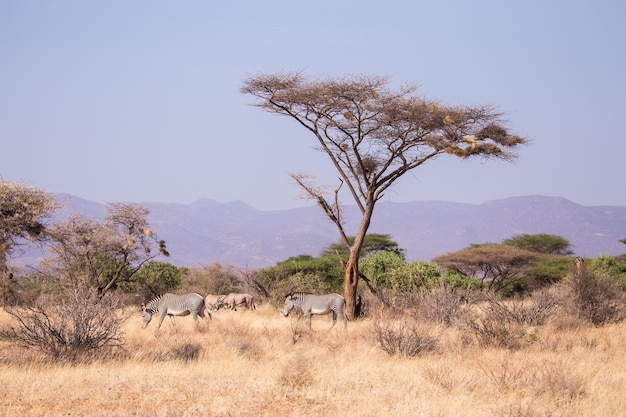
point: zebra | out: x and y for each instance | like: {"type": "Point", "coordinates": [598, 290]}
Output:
{"type": "Point", "coordinates": [173, 305]}
{"type": "Point", "coordinates": [316, 304]}
{"type": "Point", "coordinates": [214, 302]}
{"type": "Point", "coordinates": [233, 300]}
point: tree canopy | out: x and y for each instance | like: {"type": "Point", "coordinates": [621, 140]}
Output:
{"type": "Point", "coordinates": [373, 243]}
{"type": "Point", "coordinates": [542, 243]}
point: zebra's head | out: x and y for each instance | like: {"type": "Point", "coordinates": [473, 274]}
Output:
{"type": "Point", "coordinates": [146, 316]}
{"type": "Point", "coordinates": [289, 304]}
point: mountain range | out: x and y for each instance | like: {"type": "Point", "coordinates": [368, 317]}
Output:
{"type": "Point", "coordinates": [236, 233]}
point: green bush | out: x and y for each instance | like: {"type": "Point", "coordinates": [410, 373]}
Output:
{"type": "Point", "coordinates": [389, 270]}
{"type": "Point", "coordinates": [545, 272]}
{"type": "Point", "coordinates": [379, 266]}
{"type": "Point", "coordinates": [610, 267]}
{"type": "Point", "coordinates": [154, 278]}
{"type": "Point", "coordinates": [455, 279]}
{"type": "Point", "coordinates": [302, 273]}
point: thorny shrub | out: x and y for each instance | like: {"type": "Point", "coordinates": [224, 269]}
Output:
{"type": "Point", "coordinates": [403, 337]}
{"type": "Point", "coordinates": [443, 305]}
{"type": "Point", "coordinates": [491, 332]}
{"type": "Point", "coordinates": [69, 328]}
{"type": "Point", "coordinates": [595, 298]}
{"type": "Point", "coordinates": [529, 311]}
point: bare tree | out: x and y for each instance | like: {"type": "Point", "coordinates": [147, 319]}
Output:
{"type": "Point", "coordinates": [374, 135]}
{"type": "Point", "coordinates": [102, 254]}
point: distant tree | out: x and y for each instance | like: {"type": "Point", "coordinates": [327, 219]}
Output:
{"type": "Point", "coordinates": [372, 243]}
{"type": "Point", "coordinates": [23, 212]}
{"type": "Point", "coordinates": [374, 135]}
{"type": "Point", "coordinates": [215, 278]}
{"type": "Point", "coordinates": [496, 266]}
{"type": "Point", "coordinates": [542, 243]}
{"type": "Point", "coordinates": [103, 254]}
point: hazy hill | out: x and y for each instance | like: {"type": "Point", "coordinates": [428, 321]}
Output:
{"type": "Point", "coordinates": [236, 233]}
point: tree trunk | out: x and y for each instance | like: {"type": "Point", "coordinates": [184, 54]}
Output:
{"type": "Point", "coordinates": [351, 272]}
{"type": "Point", "coordinates": [350, 285]}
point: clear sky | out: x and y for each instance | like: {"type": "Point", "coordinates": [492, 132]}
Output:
{"type": "Point", "coordinates": [120, 101]}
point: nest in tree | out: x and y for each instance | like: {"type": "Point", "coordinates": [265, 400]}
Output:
{"type": "Point", "coordinates": [368, 166]}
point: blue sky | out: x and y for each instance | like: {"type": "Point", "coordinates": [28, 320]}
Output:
{"type": "Point", "coordinates": [138, 101]}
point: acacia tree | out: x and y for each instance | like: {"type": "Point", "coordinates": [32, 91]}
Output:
{"type": "Point", "coordinates": [373, 135]}
{"type": "Point", "coordinates": [372, 243]}
{"type": "Point", "coordinates": [494, 265]}
{"type": "Point", "coordinates": [542, 243]}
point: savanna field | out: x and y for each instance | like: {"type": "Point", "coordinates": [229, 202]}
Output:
{"type": "Point", "coordinates": [259, 363]}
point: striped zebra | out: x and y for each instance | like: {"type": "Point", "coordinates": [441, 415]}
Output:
{"type": "Point", "coordinates": [173, 305]}
{"type": "Point", "coordinates": [316, 304]}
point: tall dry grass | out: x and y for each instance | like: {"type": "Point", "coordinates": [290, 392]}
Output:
{"type": "Point", "coordinates": [259, 363]}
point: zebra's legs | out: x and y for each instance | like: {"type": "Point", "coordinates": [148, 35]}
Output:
{"type": "Point", "coordinates": [334, 320]}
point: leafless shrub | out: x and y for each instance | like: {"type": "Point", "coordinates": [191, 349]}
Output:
{"type": "Point", "coordinates": [559, 382]}
{"type": "Point", "coordinates": [490, 331]}
{"type": "Point", "coordinates": [596, 299]}
{"type": "Point", "coordinates": [72, 327]}
{"type": "Point", "coordinates": [444, 305]}
{"type": "Point", "coordinates": [504, 375]}
{"type": "Point", "coordinates": [529, 311]}
{"type": "Point", "coordinates": [445, 377]}
{"type": "Point", "coordinates": [404, 337]}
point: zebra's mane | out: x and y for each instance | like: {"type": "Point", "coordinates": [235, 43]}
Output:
{"type": "Point", "coordinates": [152, 303]}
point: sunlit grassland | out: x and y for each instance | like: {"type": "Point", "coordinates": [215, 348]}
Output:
{"type": "Point", "coordinates": [260, 363]}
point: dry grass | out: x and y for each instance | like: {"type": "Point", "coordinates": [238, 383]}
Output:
{"type": "Point", "coordinates": [260, 363]}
